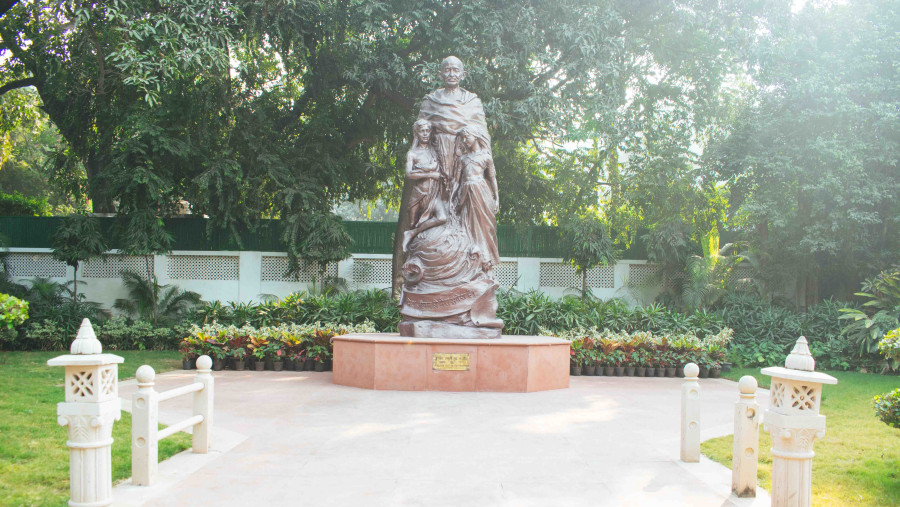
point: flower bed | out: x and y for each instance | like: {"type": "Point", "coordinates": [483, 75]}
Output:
{"type": "Point", "coordinates": [286, 346]}
{"type": "Point", "coordinates": [595, 352]}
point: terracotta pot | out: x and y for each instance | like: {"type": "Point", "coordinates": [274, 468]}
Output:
{"type": "Point", "coordinates": [650, 372]}
{"type": "Point", "coordinates": [590, 371]}
{"type": "Point", "coordinates": [609, 371]}
{"type": "Point", "coordinates": [575, 371]}
{"type": "Point", "coordinates": [640, 371]}
{"type": "Point", "coordinates": [620, 371]}
{"type": "Point", "coordinates": [277, 365]}
{"type": "Point", "coordinates": [239, 364]}
{"type": "Point", "coordinates": [259, 365]}
{"type": "Point", "coordinates": [670, 371]}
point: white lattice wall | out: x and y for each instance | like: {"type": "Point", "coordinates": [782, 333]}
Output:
{"type": "Point", "coordinates": [558, 274]}
{"type": "Point", "coordinates": [275, 267]}
{"type": "Point", "coordinates": [31, 265]}
{"type": "Point", "coordinates": [507, 274]}
{"type": "Point", "coordinates": [371, 272]}
{"type": "Point", "coordinates": [203, 267]}
{"type": "Point", "coordinates": [641, 275]}
{"type": "Point", "coordinates": [113, 265]}
{"type": "Point", "coordinates": [251, 276]}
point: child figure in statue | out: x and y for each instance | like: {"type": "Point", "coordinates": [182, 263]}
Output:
{"type": "Point", "coordinates": [474, 195]}
{"type": "Point", "coordinates": [426, 204]}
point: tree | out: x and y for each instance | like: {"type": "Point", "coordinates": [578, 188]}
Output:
{"type": "Point", "coordinates": [589, 246]}
{"type": "Point", "coordinates": [320, 240]}
{"type": "Point", "coordinates": [76, 240]}
{"type": "Point", "coordinates": [811, 157]}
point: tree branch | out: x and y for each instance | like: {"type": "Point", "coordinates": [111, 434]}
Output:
{"type": "Point", "coordinates": [18, 83]}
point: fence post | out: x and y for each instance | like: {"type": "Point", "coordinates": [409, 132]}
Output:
{"type": "Point", "coordinates": [794, 421]}
{"type": "Point", "coordinates": [144, 428]}
{"type": "Point", "coordinates": [203, 405]}
{"type": "Point", "coordinates": [745, 452]}
{"type": "Point", "coordinates": [690, 415]}
{"type": "Point", "coordinates": [92, 406]}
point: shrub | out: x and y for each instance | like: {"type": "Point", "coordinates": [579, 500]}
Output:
{"type": "Point", "coordinates": [13, 311]}
{"type": "Point", "coordinates": [887, 407]}
{"type": "Point", "coordinates": [16, 204]}
{"type": "Point", "coordinates": [878, 315]}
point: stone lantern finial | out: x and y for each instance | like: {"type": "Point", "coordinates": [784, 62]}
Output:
{"type": "Point", "coordinates": [86, 341]}
{"type": "Point", "coordinates": [800, 358]}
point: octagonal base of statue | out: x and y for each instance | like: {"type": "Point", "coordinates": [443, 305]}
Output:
{"type": "Point", "coordinates": [390, 362]}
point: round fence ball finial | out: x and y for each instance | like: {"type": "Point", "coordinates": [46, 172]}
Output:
{"type": "Point", "coordinates": [204, 363]}
{"type": "Point", "coordinates": [86, 341]}
{"type": "Point", "coordinates": [747, 384]}
{"type": "Point", "coordinates": [691, 370]}
{"type": "Point", "coordinates": [145, 374]}
{"type": "Point", "coordinates": [800, 358]}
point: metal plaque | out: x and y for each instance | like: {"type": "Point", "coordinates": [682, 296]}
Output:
{"type": "Point", "coordinates": [449, 361]}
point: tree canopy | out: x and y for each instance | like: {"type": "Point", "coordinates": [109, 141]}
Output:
{"type": "Point", "coordinates": [684, 118]}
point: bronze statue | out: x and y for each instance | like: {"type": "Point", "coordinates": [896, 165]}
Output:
{"type": "Point", "coordinates": [450, 245]}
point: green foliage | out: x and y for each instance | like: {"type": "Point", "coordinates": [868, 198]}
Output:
{"type": "Point", "coordinates": [16, 204]}
{"type": "Point", "coordinates": [889, 347]}
{"type": "Point", "coordinates": [588, 245]}
{"type": "Point", "coordinates": [76, 240]}
{"type": "Point", "coordinates": [13, 311]}
{"type": "Point", "coordinates": [158, 304]}
{"type": "Point", "coordinates": [317, 238]}
{"type": "Point", "coordinates": [887, 408]}
{"type": "Point", "coordinates": [878, 315]}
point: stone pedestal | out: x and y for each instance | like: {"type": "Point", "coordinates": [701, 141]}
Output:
{"type": "Point", "coordinates": [92, 406]}
{"type": "Point", "coordinates": [509, 364]}
{"type": "Point", "coordinates": [794, 421]}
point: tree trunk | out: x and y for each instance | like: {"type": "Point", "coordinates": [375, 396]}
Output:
{"type": "Point", "coordinates": [583, 284]}
{"type": "Point", "coordinates": [75, 284]}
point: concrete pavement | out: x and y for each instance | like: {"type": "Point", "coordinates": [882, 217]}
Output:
{"type": "Point", "coordinates": [294, 438]}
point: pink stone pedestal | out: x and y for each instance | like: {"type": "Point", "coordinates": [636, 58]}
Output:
{"type": "Point", "coordinates": [509, 364]}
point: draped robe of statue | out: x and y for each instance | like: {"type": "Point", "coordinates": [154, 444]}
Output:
{"type": "Point", "coordinates": [449, 290]}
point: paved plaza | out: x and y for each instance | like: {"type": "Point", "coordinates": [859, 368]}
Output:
{"type": "Point", "coordinates": [294, 438]}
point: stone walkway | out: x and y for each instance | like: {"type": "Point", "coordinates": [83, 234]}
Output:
{"type": "Point", "coordinates": [290, 438]}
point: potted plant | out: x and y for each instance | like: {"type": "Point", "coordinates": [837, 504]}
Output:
{"type": "Point", "coordinates": [618, 359]}
{"type": "Point", "coordinates": [257, 346]}
{"type": "Point", "coordinates": [628, 348]}
{"type": "Point", "coordinates": [671, 361]}
{"type": "Point", "coordinates": [650, 361]}
{"type": "Point", "coordinates": [189, 349]}
{"type": "Point", "coordinates": [239, 358]}
{"type": "Point", "coordinates": [576, 360]}
{"type": "Point", "coordinates": [607, 346]}
{"type": "Point", "coordinates": [274, 354]}
{"type": "Point", "coordinates": [587, 349]}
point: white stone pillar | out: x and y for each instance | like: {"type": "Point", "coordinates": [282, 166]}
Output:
{"type": "Point", "coordinates": [690, 415]}
{"type": "Point", "coordinates": [794, 421]}
{"type": "Point", "coordinates": [529, 272]}
{"type": "Point", "coordinates": [745, 452]}
{"type": "Point", "coordinates": [91, 407]}
{"type": "Point", "coordinates": [144, 428]}
{"type": "Point", "coordinates": [203, 405]}
{"type": "Point", "coordinates": [249, 276]}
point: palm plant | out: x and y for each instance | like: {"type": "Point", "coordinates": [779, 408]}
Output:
{"type": "Point", "coordinates": [150, 301]}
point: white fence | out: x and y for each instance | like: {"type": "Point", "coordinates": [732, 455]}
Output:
{"type": "Point", "coordinates": [249, 276]}
{"type": "Point", "coordinates": [145, 435]}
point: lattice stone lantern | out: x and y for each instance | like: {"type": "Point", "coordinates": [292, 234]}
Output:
{"type": "Point", "coordinates": [794, 422]}
{"type": "Point", "coordinates": [92, 406]}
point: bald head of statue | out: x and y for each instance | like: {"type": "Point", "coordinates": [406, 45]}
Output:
{"type": "Point", "coordinates": [452, 72]}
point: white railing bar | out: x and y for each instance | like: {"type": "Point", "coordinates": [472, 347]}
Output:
{"type": "Point", "coordinates": [171, 430]}
{"type": "Point", "coordinates": [178, 391]}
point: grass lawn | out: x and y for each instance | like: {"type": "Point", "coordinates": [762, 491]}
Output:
{"type": "Point", "coordinates": [34, 459]}
{"type": "Point", "coordinates": [858, 460]}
